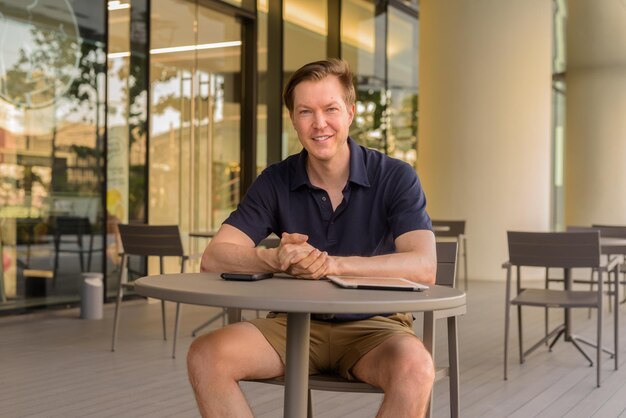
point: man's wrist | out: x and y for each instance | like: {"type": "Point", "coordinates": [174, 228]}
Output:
{"type": "Point", "coordinates": [335, 267]}
{"type": "Point", "coordinates": [269, 256]}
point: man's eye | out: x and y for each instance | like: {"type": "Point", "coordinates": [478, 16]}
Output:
{"type": "Point", "coordinates": [305, 112]}
{"type": "Point", "coordinates": [333, 109]}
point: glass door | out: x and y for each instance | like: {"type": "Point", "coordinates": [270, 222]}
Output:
{"type": "Point", "coordinates": [215, 169]}
{"type": "Point", "coordinates": [195, 115]}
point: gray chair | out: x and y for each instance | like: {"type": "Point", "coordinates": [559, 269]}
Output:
{"type": "Point", "coordinates": [446, 276]}
{"type": "Point", "coordinates": [613, 243]}
{"type": "Point", "coordinates": [456, 230]}
{"type": "Point", "coordinates": [567, 251]}
{"type": "Point", "coordinates": [148, 240]}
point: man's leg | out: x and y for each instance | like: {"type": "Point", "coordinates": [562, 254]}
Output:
{"type": "Point", "coordinates": [403, 368]}
{"type": "Point", "coordinates": [216, 362]}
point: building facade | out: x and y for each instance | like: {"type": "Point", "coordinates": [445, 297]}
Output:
{"type": "Point", "coordinates": [164, 112]}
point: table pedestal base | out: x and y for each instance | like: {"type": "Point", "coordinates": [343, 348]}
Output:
{"type": "Point", "coordinates": [297, 367]}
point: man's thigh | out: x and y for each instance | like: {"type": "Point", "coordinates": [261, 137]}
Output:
{"type": "Point", "coordinates": [243, 350]}
{"type": "Point", "coordinates": [389, 359]}
{"type": "Point", "coordinates": [354, 341]}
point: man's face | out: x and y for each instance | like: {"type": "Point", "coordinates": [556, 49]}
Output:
{"type": "Point", "coordinates": [321, 118]}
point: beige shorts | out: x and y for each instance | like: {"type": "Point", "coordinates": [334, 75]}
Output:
{"type": "Point", "coordinates": [336, 346]}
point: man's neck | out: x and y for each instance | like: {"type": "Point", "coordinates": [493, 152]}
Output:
{"type": "Point", "coordinates": [329, 175]}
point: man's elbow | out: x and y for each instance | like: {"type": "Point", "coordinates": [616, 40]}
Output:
{"type": "Point", "coordinates": [428, 273]}
{"type": "Point", "coordinates": [208, 262]}
{"type": "Point", "coordinates": [432, 274]}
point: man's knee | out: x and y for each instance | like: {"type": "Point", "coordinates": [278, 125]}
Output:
{"type": "Point", "coordinates": [208, 353]}
{"type": "Point", "coordinates": [410, 362]}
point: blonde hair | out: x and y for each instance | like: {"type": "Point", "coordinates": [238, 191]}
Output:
{"type": "Point", "coordinates": [317, 71]}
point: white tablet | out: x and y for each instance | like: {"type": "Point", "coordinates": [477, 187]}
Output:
{"type": "Point", "coordinates": [377, 283]}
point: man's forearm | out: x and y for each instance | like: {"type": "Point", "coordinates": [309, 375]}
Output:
{"type": "Point", "coordinates": [225, 256]}
{"type": "Point", "coordinates": [410, 265]}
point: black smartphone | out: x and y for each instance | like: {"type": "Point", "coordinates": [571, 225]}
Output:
{"type": "Point", "coordinates": [246, 277]}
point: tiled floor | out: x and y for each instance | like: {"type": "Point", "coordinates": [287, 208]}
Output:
{"type": "Point", "coordinates": [53, 364]}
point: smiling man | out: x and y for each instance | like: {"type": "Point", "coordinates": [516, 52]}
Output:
{"type": "Point", "coordinates": [339, 209]}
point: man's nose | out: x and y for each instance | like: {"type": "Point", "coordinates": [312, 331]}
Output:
{"type": "Point", "coordinates": [319, 120]}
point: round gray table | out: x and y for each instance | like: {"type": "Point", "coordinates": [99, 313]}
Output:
{"type": "Point", "coordinates": [298, 298]}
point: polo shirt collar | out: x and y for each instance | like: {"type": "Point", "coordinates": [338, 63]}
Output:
{"type": "Point", "coordinates": [358, 171]}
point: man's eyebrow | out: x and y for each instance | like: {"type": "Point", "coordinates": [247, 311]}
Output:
{"type": "Point", "coordinates": [333, 102]}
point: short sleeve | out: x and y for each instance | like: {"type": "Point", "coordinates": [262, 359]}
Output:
{"type": "Point", "coordinates": [406, 202]}
{"type": "Point", "coordinates": [256, 214]}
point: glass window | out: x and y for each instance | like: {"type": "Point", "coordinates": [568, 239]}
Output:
{"type": "Point", "coordinates": [52, 119]}
{"type": "Point", "coordinates": [262, 11]}
{"type": "Point", "coordinates": [559, 92]}
{"type": "Point", "coordinates": [305, 23]}
{"type": "Point", "coordinates": [402, 85]}
{"type": "Point", "coordinates": [364, 52]}
{"type": "Point", "coordinates": [195, 115]}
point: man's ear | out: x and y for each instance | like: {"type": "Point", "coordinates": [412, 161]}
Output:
{"type": "Point", "coordinates": [351, 111]}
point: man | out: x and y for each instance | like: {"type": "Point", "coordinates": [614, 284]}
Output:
{"type": "Point", "coordinates": [339, 209]}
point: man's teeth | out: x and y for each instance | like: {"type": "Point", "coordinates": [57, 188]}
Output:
{"type": "Point", "coordinates": [321, 138]}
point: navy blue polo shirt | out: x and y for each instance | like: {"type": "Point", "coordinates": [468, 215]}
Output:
{"type": "Point", "coordinates": [382, 200]}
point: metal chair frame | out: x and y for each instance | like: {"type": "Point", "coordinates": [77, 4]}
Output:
{"type": "Point", "coordinates": [565, 250]}
{"type": "Point", "coordinates": [148, 240]}
{"type": "Point", "coordinates": [454, 229]}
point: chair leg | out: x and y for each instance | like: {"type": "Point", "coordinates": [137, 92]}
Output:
{"type": "Point", "coordinates": [599, 342]}
{"type": "Point", "coordinates": [429, 344]}
{"type": "Point", "coordinates": [176, 323]}
{"type": "Point", "coordinates": [519, 334]}
{"type": "Point", "coordinates": [453, 358]}
{"type": "Point", "coordinates": [546, 316]}
{"type": "Point", "coordinates": [116, 319]}
{"type": "Point", "coordinates": [79, 240]}
{"type": "Point", "coordinates": [616, 319]}
{"type": "Point", "coordinates": [507, 316]}
{"type": "Point", "coordinates": [465, 262]}
{"type": "Point", "coordinates": [55, 268]}
{"type": "Point", "coordinates": [118, 301]}
{"type": "Point", "coordinates": [89, 253]}
{"type": "Point", "coordinates": [309, 409]}
{"type": "Point", "coordinates": [163, 319]}
{"type": "Point", "coordinates": [591, 290]}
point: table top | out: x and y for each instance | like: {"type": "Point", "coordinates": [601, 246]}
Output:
{"type": "Point", "coordinates": [293, 295]}
{"type": "Point", "coordinates": [203, 234]}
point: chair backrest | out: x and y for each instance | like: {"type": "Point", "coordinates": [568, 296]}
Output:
{"type": "Point", "coordinates": [156, 240]}
{"type": "Point", "coordinates": [611, 231]}
{"type": "Point", "coordinates": [554, 249]}
{"type": "Point", "coordinates": [72, 225]}
{"type": "Point", "coordinates": [446, 263]}
{"type": "Point", "coordinates": [448, 228]}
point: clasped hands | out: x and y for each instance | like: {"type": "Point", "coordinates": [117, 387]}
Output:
{"type": "Point", "coordinates": [299, 258]}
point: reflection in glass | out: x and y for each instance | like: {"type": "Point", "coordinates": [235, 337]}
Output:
{"type": "Point", "coordinates": [402, 84]}
{"type": "Point", "coordinates": [559, 92]}
{"type": "Point", "coordinates": [359, 47]}
{"type": "Point", "coordinates": [118, 141]}
{"type": "Point", "coordinates": [261, 149]}
{"type": "Point", "coordinates": [305, 23]}
{"type": "Point", "coordinates": [52, 73]}
{"type": "Point", "coordinates": [195, 115]}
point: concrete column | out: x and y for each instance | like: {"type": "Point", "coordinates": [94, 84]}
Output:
{"type": "Point", "coordinates": [595, 134]}
{"type": "Point", "coordinates": [484, 150]}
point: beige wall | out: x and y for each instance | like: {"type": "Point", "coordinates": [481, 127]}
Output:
{"type": "Point", "coordinates": [485, 111]}
{"type": "Point", "coordinates": [596, 113]}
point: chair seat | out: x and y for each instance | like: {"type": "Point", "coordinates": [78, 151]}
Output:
{"type": "Point", "coordinates": [556, 298]}
{"type": "Point", "coordinates": [335, 383]}
{"type": "Point", "coordinates": [328, 382]}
